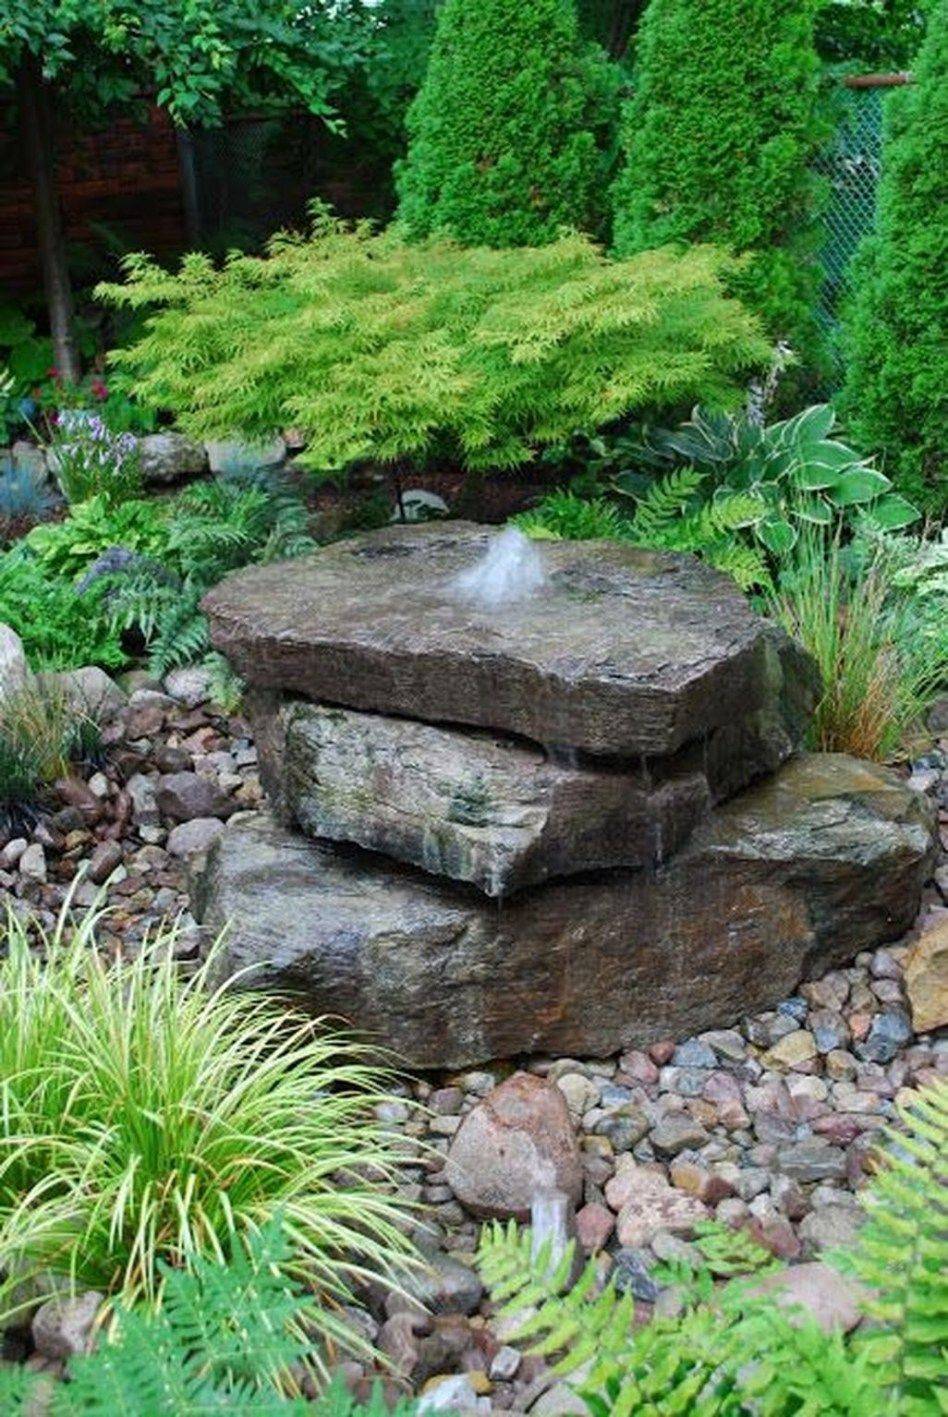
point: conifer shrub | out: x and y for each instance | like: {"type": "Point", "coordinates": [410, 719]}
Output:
{"type": "Point", "coordinates": [511, 133]}
{"type": "Point", "coordinates": [377, 348]}
{"type": "Point", "coordinates": [896, 393]}
{"type": "Point", "coordinates": [718, 141]}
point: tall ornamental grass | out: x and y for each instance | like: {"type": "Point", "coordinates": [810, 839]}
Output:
{"type": "Point", "coordinates": [148, 1119]}
{"type": "Point", "coordinates": [880, 666]}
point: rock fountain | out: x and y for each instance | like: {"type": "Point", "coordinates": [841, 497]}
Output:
{"type": "Point", "coordinates": [539, 797]}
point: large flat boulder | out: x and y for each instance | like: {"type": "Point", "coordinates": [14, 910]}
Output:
{"type": "Point", "coordinates": [791, 878]}
{"type": "Point", "coordinates": [621, 650]}
{"type": "Point", "coordinates": [497, 811]}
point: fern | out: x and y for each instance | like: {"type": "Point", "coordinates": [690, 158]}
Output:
{"type": "Point", "coordinates": [665, 502]}
{"type": "Point", "coordinates": [671, 516]}
{"type": "Point", "coordinates": [735, 1352]}
{"type": "Point", "coordinates": [227, 1338]}
{"type": "Point", "coordinates": [902, 1255]}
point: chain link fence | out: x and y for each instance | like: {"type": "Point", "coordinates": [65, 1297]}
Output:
{"type": "Point", "coordinates": [851, 170]}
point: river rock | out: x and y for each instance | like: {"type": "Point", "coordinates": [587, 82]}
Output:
{"type": "Point", "coordinates": [14, 670]}
{"type": "Point", "coordinates": [926, 978]}
{"type": "Point", "coordinates": [516, 1143]}
{"type": "Point", "coordinates": [169, 457]}
{"type": "Point", "coordinates": [622, 650]}
{"type": "Point", "coordinates": [790, 879]}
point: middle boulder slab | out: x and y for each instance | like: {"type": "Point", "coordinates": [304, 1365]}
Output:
{"type": "Point", "coordinates": [497, 812]}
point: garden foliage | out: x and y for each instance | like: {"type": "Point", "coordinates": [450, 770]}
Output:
{"type": "Point", "coordinates": [148, 1120]}
{"type": "Point", "coordinates": [225, 1339]}
{"type": "Point", "coordinates": [719, 140]}
{"type": "Point", "coordinates": [730, 488]}
{"type": "Point", "coordinates": [732, 1352]}
{"type": "Point", "coordinates": [896, 392]}
{"type": "Point", "coordinates": [76, 590]}
{"type": "Point", "coordinates": [511, 134]}
{"type": "Point", "coordinates": [881, 644]}
{"type": "Point", "coordinates": [379, 349]}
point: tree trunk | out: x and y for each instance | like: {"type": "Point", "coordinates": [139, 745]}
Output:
{"type": "Point", "coordinates": [37, 133]}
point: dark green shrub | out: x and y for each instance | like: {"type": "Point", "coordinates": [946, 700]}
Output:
{"type": "Point", "coordinates": [719, 137]}
{"type": "Point", "coordinates": [896, 393]}
{"type": "Point", "coordinates": [510, 134]}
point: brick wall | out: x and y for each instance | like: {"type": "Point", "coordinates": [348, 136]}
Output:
{"type": "Point", "coordinates": [126, 177]}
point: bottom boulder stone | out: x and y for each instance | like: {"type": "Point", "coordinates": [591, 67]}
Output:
{"type": "Point", "coordinates": [789, 879]}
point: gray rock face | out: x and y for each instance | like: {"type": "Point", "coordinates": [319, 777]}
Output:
{"type": "Point", "coordinates": [14, 670]}
{"type": "Point", "coordinates": [623, 651]}
{"type": "Point", "coordinates": [168, 457]}
{"type": "Point", "coordinates": [793, 877]}
{"type": "Point", "coordinates": [498, 812]}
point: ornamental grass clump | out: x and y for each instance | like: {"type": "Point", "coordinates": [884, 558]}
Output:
{"type": "Point", "coordinates": [151, 1120]}
{"type": "Point", "coordinates": [880, 665]}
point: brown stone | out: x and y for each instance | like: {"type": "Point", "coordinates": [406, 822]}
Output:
{"type": "Point", "coordinates": [499, 812]}
{"type": "Point", "coordinates": [517, 1143]}
{"type": "Point", "coordinates": [817, 1291]}
{"type": "Point", "coordinates": [791, 878]}
{"type": "Point", "coordinates": [650, 1204]}
{"type": "Point", "coordinates": [622, 651]}
{"type": "Point", "coordinates": [926, 978]}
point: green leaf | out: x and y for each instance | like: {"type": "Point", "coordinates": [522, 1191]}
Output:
{"type": "Point", "coordinates": [813, 424]}
{"type": "Point", "coordinates": [830, 454]}
{"type": "Point", "coordinates": [814, 511]}
{"type": "Point", "coordinates": [778, 535]}
{"type": "Point", "coordinates": [894, 511]}
{"type": "Point", "coordinates": [860, 484]}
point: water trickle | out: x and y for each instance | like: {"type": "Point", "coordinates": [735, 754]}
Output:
{"type": "Point", "coordinates": [658, 846]}
{"type": "Point", "coordinates": [645, 769]}
{"type": "Point", "coordinates": [510, 569]}
{"type": "Point", "coordinates": [561, 755]}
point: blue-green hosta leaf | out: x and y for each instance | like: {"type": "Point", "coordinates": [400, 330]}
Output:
{"type": "Point", "coordinates": [894, 511]}
{"type": "Point", "coordinates": [813, 511]}
{"type": "Point", "coordinates": [816, 476]}
{"type": "Point", "coordinates": [778, 535]}
{"type": "Point", "coordinates": [812, 425]}
{"type": "Point", "coordinates": [859, 484]}
{"type": "Point", "coordinates": [829, 453]}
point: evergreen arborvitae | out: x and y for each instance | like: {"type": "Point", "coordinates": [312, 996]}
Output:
{"type": "Point", "coordinates": [718, 140]}
{"type": "Point", "coordinates": [896, 394]}
{"type": "Point", "coordinates": [509, 134]}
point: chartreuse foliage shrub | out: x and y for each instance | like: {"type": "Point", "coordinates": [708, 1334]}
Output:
{"type": "Point", "coordinates": [896, 392]}
{"type": "Point", "coordinates": [379, 349]}
{"type": "Point", "coordinates": [510, 135]}
{"type": "Point", "coordinates": [226, 1338]}
{"type": "Point", "coordinates": [150, 1122]}
{"type": "Point", "coordinates": [732, 1352]}
{"type": "Point", "coordinates": [719, 138]}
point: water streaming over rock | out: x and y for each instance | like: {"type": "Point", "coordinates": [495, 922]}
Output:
{"type": "Point", "coordinates": [510, 569]}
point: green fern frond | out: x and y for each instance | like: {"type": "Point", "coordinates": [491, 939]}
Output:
{"type": "Point", "coordinates": [665, 503]}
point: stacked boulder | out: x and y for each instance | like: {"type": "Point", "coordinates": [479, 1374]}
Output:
{"type": "Point", "coordinates": [573, 821]}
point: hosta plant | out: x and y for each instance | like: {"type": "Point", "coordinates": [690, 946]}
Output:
{"type": "Point", "coordinates": [799, 471]}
